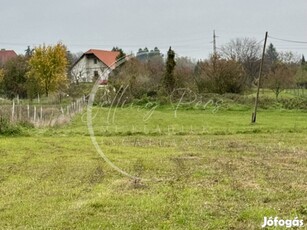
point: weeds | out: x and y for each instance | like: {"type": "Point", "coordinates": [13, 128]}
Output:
{"type": "Point", "coordinates": [9, 129]}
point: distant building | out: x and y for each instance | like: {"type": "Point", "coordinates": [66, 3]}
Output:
{"type": "Point", "coordinates": [91, 65]}
{"type": "Point", "coordinates": [6, 55]}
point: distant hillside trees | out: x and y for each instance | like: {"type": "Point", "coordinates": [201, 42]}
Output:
{"type": "Point", "coordinates": [142, 54]}
{"type": "Point", "coordinates": [146, 55]}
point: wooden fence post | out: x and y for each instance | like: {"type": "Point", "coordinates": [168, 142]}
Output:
{"type": "Point", "coordinates": [41, 114]}
{"type": "Point", "coordinates": [34, 114]}
{"type": "Point", "coordinates": [13, 111]}
{"type": "Point", "coordinates": [28, 111]}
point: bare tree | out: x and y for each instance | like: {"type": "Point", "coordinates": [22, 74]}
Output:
{"type": "Point", "coordinates": [134, 76]}
{"type": "Point", "coordinates": [220, 76]}
{"type": "Point", "coordinates": [77, 73]}
{"type": "Point", "coordinates": [247, 52]}
{"type": "Point", "coordinates": [184, 71]}
{"type": "Point", "coordinates": [288, 57]}
{"type": "Point", "coordinates": [280, 77]}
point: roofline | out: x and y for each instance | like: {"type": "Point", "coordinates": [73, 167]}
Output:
{"type": "Point", "coordinates": [94, 55]}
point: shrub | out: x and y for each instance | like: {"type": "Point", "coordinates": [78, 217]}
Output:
{"type": "Point", "coordinates": [294, 103]}
{"type": "Point", "coordinates": [220, 76]}
{"type": "Point", "coordinates": [7, 128]}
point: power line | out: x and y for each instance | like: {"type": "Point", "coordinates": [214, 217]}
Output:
{"type": "Point", "coordinates": [287, 40]}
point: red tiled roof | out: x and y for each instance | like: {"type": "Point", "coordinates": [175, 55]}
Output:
{"type": "Point", "coordinates": [107, 57]}
{"type": "Point", "coordinates": [6, 55]}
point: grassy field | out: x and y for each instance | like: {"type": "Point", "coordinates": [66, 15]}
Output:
{"type": "Point", "coordinates": [201, 168]}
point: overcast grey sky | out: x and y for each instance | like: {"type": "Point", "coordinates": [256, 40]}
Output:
{"type": "Point", "coordinates": [130, 24]}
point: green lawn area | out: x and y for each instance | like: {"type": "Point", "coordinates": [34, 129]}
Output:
{"type": "Point", "coordinates": [201, 169]}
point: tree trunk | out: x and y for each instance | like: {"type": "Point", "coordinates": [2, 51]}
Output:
{"type": "Point", "coordinates": [46, 89]}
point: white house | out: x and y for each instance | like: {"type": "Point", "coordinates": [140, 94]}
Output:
{"type": "Point", "coordinates": [92, 64]}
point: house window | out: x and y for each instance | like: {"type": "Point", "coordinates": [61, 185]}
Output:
{"type": "Point", "coordinates": [95, 60]}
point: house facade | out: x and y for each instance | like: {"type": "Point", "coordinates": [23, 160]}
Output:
{"type": "Point", "coordinates": [92, 65]}
{"type": "Point", "coordinates": [6, 55]}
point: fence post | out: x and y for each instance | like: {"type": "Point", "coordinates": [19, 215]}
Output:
{"type": "Point", "coordinates": [13, 111]}
{"type": "Point", "coordinates": [28, 111]}
{"type": "Point", "coordinates": [34, 114]}
{"type": "Point", "coordinates": [20, 112]}
{"type": "Point", "coordinates": [41, 115]}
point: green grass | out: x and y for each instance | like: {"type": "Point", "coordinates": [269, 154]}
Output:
{"type": "Point", "coordinates": [203, 169]}
{"type": "Point", "coordinates": [285, 94]}
{"type": "Point", "coordinates": [163, 120]}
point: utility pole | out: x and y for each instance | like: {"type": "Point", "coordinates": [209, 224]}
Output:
{"type": "Point", "coordinates": [254, 115]}
{"type": "Point", "coordinates": [214, 43]}
{"type": "Point", "coordinates": [214, 56]}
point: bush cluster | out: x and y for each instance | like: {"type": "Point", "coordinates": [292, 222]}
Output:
{"type": "Point", "coordinates": [8, 128]}
{"type": "Point", "coordinates": [294, 103]}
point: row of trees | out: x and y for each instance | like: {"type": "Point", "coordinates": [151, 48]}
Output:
{"type": "Point", "coordinates": [283, 71]}
{"type": "Point", "coordinates": [39, 71]}
{"type": "Point", "coordinates": [233, 69]}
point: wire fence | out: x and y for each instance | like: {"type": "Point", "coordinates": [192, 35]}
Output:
{"type": "Point", "coordinates": [41, 115]}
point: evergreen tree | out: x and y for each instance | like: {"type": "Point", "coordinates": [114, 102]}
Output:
{"type": "Point", "coordinates": [142, 54]}
{"type": "Point", "coordinates": [302, 73]}
{"type": "Point", "coordinates": [29, 52]}
{"type": "Point", "coordinates": [303, 62]}
{"type": "Point", "coordinates": [121, 53]}
{"type": "Point", "coordinates": [169, 79]}
{"type": "Point", "coordinates": [154, 52]}
{"type": "Point", "coordinates": [271, 55]}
